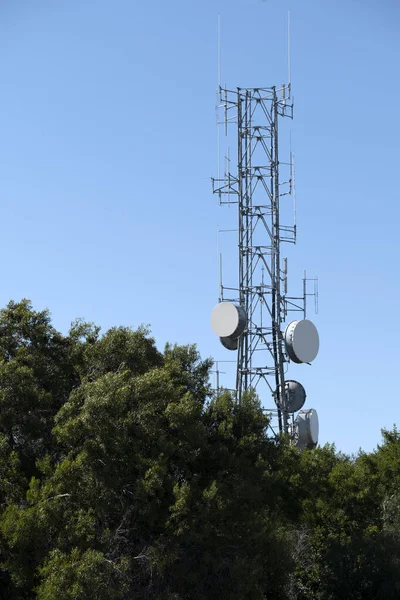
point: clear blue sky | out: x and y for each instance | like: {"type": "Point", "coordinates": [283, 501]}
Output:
{"type": "Point", "coordinates": [108, 143]}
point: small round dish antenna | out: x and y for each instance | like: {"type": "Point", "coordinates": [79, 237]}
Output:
{"type": "Point", "coordinates": [295, 396]}
{"type": "Point", "coordinates": [229, 343]}
{"type": "Point", "coordinates": [301, 341]}
{"type": "Point", "coordinates": [228, 320]}
{"type": "Point", "coordinates": [306, 429]}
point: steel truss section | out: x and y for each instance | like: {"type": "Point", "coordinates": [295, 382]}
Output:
{"type": "Point", "coordinates": [257, 191]}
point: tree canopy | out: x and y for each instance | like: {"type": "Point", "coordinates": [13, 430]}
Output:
{"type": "Point", "coordinates": [123, 476]}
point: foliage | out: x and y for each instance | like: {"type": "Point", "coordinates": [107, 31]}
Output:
{"type": "Point", "coordinates": [122, 476]}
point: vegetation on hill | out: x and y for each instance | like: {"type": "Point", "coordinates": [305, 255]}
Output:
{"type": "Point", "coordinates": [122, 477]}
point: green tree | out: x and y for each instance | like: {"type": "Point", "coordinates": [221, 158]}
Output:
{"type": "Point", "coordinates": [347, 542]}
{"type": "Point", "coordinates": [141, 476]}
{"type": "Point", "coordinates": [122, 476]}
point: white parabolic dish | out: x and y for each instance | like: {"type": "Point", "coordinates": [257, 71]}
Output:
{"type": "Point", "coordinates": [302, 341]}
{"type": "Point", "coordinates": [228, 320]}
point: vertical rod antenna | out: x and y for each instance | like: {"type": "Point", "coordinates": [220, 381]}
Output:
{"type": "Point", "coordinates": [226, 111]}
{"type": "Point", "coordinates": [221, 291]}
{"type": "Point", "coordinates": [289, 66]}
{"type": "Point", "coordinates": [217, 109]}
{"type": "Point", "coordinates": [219, 156]}
{"type": "Point", "coordinates": [229, 176]}
{"type": "Point", "coordinates": [285, 272]}
{"type": "Point", "coordinates": [219, 266]}
{"type": "Point", "coordinates": [290, 164]}
{"type": "Point", "coordinates": [219, 53]}
{"type": "Point", "coordinates": [294, 197]}
{"type": "Point", "coordinates": [218, 94]}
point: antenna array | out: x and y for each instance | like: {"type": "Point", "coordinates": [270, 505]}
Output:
{"type": "Point", "coordinates": [252, 310]}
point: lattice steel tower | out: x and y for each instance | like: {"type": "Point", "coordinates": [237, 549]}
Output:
{"type": "Point", "coordinates": [250, 315]}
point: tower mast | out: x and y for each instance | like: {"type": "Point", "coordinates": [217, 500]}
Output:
{"type": "Point", "coordinates": [252, 310]}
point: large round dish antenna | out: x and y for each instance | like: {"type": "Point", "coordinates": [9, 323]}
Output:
{"type": "Point", "coordinates": [228, 320]}
{"type": "Point", "coordinates": [306, 429]}
{"type": "Point", "coordinates": [295, 396]}
{"type": "Point", "coordinates": [230, 343]}
{"type": "Point", "coordinates": [301, 341]}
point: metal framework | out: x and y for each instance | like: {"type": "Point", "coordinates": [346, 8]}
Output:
{"type": "Point", "coordinates": [256, 188]}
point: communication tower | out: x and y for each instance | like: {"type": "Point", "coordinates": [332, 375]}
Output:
{"type": "Point", "coordinates": [252, 311]}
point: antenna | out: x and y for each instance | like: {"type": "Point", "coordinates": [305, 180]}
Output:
{"type": "Point", "coordinates": [316, 299]}
{"type": "Point", "coordinates": [218, 150]}
{"type": "Point", "coordinates": [219, 53]}
{"type": "Point", "coordinates": [285, 276]}
{"type": "Point", "coordinates": [289, 66]}
{"type": "Point", "coordinates": [251, 320]}
{"type": "Point", "coordinates": [218, 372]}
{"type": "Point", "coordinates": [218, 92]}
{"type": "Point", "coordinates": [294, 198]}
{"type": "Point", "coordinates": [221, 289]}
{"type": "Point", "coordinates": [219, 267]}
{"type": "Point", "coordinates": [314, 293]}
